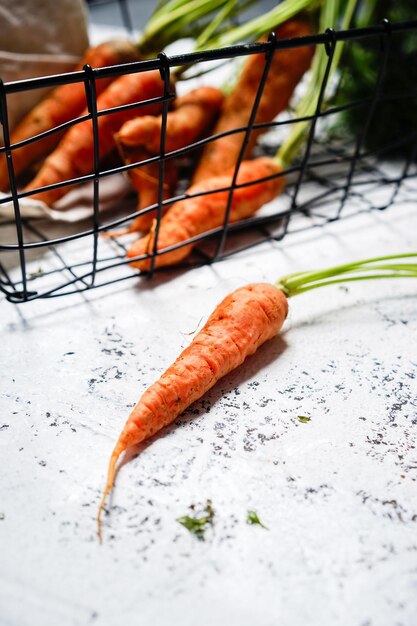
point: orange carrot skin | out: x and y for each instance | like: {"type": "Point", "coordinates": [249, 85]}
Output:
{"type": "Point", "coordinates": [287, 68]}
{"type": "Point", "coordinates": [74, 154]}
{"type": "Point", "coordinates": [241, 323]}
{"type": "Point", "coordinates": [145, 179]}
{"type": "Point", "coordinates": [63, 104]}
{"type": "Point", "coordinates": [194, 216]}
{"type": "Point", "coordinates": [193, 113]}
{"type": "Point", "coordinates": [139, 138]}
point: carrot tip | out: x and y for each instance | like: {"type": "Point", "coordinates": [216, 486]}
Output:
{"type": "Point", "coordinates": [109, 486]}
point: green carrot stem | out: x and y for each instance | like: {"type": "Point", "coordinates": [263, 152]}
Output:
{"type": "Point", "coordinates": [297, 291]}
{"type": "Point", "coordinates": [203, 40]}
{"type": "Point", "coordinates": [314, 276]}
{"type": "Point", "coordinates": [217, 35]}
{"type": "Point", "coordinates": [264, 23]}
{"type": "Point", "coordinates": [300, 282]}
{"type": "Point", "coordinates": [333, 14]}
{"type": "Point", "coordinates": [176, 19]}
{"type": "Point", "coordinates": [173, 11]}
{"type": "Point", "coordinates": [346, 266]}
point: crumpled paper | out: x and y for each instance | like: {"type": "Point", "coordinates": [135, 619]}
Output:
{"type": "Point", "coordinates": [115, 194]}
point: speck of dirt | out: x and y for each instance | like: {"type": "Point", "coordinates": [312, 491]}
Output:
{"type": "Point", "coordinates": [112, 351]}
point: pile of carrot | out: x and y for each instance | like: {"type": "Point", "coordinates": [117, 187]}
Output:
{"type": "Point", "coordinates": [169, 21]}
{"type": "Point", "coordinates": [135, 133]}
{"type": "Point", "coordinates": [205, 207]}
{"type": "Point", "coordinates": [74, 155]}
{"type": "Point", "coordinates": [62, 105]}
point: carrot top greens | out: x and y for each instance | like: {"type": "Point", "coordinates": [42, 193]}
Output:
{"type": "Point", "coordinates": [203, 20]}
{"type": "Point", "coordinates": [258, 26]}
{"type": "Point", "coordinates": [391, 266]}
{"type": "Point", "coordinates": [171, 20]}
{"type": "Point", "coordinates": [222, 31]}
{"type": "Point", "coordinates": [333, 14]}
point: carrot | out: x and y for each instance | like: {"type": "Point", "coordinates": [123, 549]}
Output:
{"type": "Point", "coordinates": [139, 138]}
{"type": "Point", "coordinates": [145, 179]}
{"type": "Point", "coordinates": [196, 215]}
{"type": "Point", "coordinates": [74, 154]}
{"type": "Point", "coordinates": [286, 70]}
{"type": "Point", "coordinates": [63, 104]}
{"type": "Point", "coordinates": [241, 323]}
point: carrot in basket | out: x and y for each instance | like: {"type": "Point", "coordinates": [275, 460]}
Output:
{"type": "Point", "coordinates": [285, 72]}
{"type": "Point", "coordinates": [68, 101]}
{"type": "Point", "coordinates": [140, 138]}
{"type": "Point", "coordinates": [196, 215]}
{"type": "Point", "coordinates": [74, 154]}
{"type": "Point", "coordinates": [145, 179]}
{"type": "Point", "coordinates": [63, 104]}
{"type": "Point", "coordinates": [241, 323]}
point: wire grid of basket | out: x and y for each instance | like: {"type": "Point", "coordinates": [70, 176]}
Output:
{"type": "Point", "coordinates": [329, 181]}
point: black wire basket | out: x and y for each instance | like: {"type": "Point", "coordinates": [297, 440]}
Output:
{"type": "Point", "coordinates": [330, 180]}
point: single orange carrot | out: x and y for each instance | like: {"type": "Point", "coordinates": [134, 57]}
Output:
{"type": "Point", "coordinates": [241, 323]}
{"type": "Point", "coordinates": [74, 154]}
{"type": "Point", "coordinates": [238, 326]}
{"type": "Point", "coordinates": [193, 114]}
{"type": "Point", "coordinates": [63, 104]}
{"type": "Point", "coordinates": [201, 213]}
{"type": "Point", "coordinates": [286, 70]}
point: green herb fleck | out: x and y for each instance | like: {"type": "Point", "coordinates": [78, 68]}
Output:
{"type": "Point", "coordinates": [303, 418]}
{"type": "Point", "coordinates": [253, 518]}
{"type": "Point", "coordinates": [39, 272]}
{"type": "Point", "coordinates": [198, 523]}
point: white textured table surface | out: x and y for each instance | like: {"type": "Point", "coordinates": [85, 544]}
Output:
{"type": "Point", "coordinates": [338, 494]}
